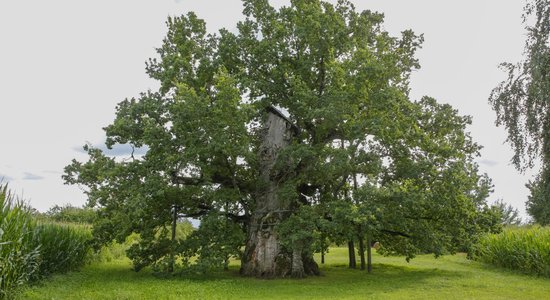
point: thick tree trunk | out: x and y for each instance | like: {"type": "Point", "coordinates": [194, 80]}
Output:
{"type": "Point", "coordinates": [297, 264]}
{"type": "Point", "coordinates": [263, 256]}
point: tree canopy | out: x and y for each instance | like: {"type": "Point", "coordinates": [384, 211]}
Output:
{"type": "Point", "coordinates": [357, 158]}
{"type": "Point", "coordinates": [522, 105]}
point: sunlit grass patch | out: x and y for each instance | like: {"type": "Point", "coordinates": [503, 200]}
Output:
{"type": "Point", "coordinates": [448, 277]}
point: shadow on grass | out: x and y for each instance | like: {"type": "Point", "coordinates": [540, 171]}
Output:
{"type": "Point", "coordinates": [117, 280]}
{"type": "Point", "coordinates": [382, 274]}
{"type": "Point", "coordinates": [393, 272]}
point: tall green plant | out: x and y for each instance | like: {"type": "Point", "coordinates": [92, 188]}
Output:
{"type": "Point", "coordinates": [62, 248]}
{"type": "Point", "coordinates": [19, 257]}
{"type": "Point", "coordinates": [30, 251]}
{"type": "Point", "coordinates": [523, 249]}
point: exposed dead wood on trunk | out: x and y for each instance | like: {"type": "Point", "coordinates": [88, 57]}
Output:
{"type": "Point", "coordinates": [264, 256]}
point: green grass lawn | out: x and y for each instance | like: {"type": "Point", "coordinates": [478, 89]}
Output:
{"type": "Point", "coordinates": [448, 277]}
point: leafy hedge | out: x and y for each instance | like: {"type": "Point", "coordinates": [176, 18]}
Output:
{"type": "Point", "coordinates": [30, 251]}
{"type": "Point", "coordinates": [526, 249]}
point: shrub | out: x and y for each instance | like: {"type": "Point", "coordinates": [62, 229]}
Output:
{"type": "Point", "coordinates": [19, 257]}
{"type": "Point", "coordinates": [521, 248]}
{"type": "Point", "coordinates": [116, 250]}
{"type": "Point", "coordinates": [70, 214]}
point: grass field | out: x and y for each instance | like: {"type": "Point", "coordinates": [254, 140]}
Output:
{"type": "Point", "coordinates": [449, 277]}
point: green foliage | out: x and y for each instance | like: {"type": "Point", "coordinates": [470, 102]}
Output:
{"type": "Point", "coordinates": [526, 249]}
{"type": "Point", "coordinates": [522, 106]}
{"type": "Point", "coordinates": [71, 214]}
{"type": "Point", "coordinates": [538, 202]}
{"type": "Point", "coordinates": [508, 214]}
{"type": "Point", "coordinates": [405, 170]}
{"type": "Point", "coordinates": [521, 101]}
{"type": "Point", "coordinates": [154, 247]}
{"type": "Point", "coordinates": [428, 196]}
{"type": "Point", "coordinates": [300, 231]}
{"type": "Point", "coordinates": [19, 256]}
{"type": "Point", "coordinates": [212, 245]}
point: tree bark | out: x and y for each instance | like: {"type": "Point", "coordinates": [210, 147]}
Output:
{"type": "Point", "coordinates": [362, 252]}
{"type": "Point", "coordinates": [323, 250]}
{"type": "Point", "coordinates": [264, 256]}
{"type": "Point", "coordinates": [297, 264]}
{"type": "Point", "coordinates": [351, 251]}
{"type": "Point", "coordinates": [369, 253]}
{"type": "Point", "coordinates": [174, 227]}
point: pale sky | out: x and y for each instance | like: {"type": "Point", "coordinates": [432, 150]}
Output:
{"type": "Point", "coordinates": [65, 64]}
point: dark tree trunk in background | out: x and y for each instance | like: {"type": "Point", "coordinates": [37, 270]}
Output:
{"type": "Point", "coordinates": [174, 227]}
{"type": "Point", "coordinates": [351, 250]}
{"type": "Point", "coordinates": [362, 252]}
{"type": "Point", "coordinates": [226, 261]}
{"type": "Point", "coordinates": [263, 255]}
{"type": "Point", "coordinates": [369, 253]}
{"type": "Point", "coordinates": [323, 250]}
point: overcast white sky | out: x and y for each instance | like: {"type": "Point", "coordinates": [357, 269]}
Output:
{"type": "Point", "coordinates": [65, 64]}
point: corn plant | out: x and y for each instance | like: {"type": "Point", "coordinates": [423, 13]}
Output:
{"type": "Point", "coordinates": [19, 257]}
{"type": "Point", "coordinates": [526, 249]}
{"type": "Point", "coordinates": [63, 247]}
{"type": "Point", "coordinates": [30, 251]}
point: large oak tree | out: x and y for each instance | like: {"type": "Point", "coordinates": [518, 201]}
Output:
{"type": "Point", "coordinates": [351, 156]}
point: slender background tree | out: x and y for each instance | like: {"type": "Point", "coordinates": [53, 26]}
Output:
{"type": "Point", "coordinates": [522, 104]}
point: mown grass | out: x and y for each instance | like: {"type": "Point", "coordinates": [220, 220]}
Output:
{"type": "Point", "coordinates": [449, 277]}
{"type": "Point", "coordinates": [526, 249]}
